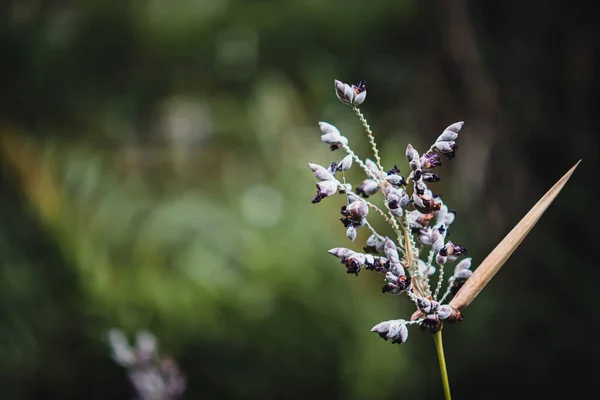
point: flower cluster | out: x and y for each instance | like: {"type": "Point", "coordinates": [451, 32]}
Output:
{"type": "Point", "coordinates": [417, 216]}
{"type": "Point", "coordinates": [152, 377]}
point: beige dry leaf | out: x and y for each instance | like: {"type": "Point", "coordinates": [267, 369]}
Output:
{"type": "Point", "coordinates": [494, 261]}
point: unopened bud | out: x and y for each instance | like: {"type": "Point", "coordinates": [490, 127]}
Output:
{"type": "Point", "coordinates": [345, 163]}
{"type": "Point", "coordinates": [450, 133]}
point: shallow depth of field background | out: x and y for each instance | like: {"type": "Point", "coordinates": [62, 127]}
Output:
{"type": "Point", "coordinates": [153, 176]}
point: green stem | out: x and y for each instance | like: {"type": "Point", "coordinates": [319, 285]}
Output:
{"type": "Point", "coordinates": [437, 337]}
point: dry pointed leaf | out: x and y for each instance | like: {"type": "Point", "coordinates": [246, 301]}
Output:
{"type": "Point", "coordinates": [494, 261]}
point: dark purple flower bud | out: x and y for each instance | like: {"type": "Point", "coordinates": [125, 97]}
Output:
{"type": "Point", "coordinates": [430, 160]}
{"type": "Point", "coordinates": [367, 188]}
{"type": "Point", "coordinates": [380, 264]}
{"type": "Point", "coordinates": [354, 263]}
{"type": "Point", "coordinates": [429, 177]}
{"type": "Point", "coordinates": [416, 175]}
{"type": "Point", "coordinates": [431, 323]}
{"type": "Point", "coordinates": [450, 133]}
{"type": "Point", "coordinates": [393, 171]}
{"type": "Point", "coordinates": [360, 92]}
{"type": "Point", "coordinates": [398, 282]}
{"type": "Point", "coordinates": [452, 249]}
{"type": "Point", "coordinates": [357, 210]}
{"type": "Point", "coordinates": [425, 204]}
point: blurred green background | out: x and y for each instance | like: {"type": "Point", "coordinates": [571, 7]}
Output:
{"type": "Point", "coordinates": [153, 176]}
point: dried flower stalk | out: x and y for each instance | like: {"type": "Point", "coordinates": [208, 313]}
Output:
{"type": "Point", "coordinates": [496, 259]}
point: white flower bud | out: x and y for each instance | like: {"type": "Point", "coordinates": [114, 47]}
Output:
{"type": "Point", "coordinates": [359, 98]}
{"type": "Point", "coordinates": [396, 180]}
{"type": "Point", "coordinates": [327, 188]}
{"type": "Point", "coordinates": [320, 172]}
{"type": "Point", "coordinates": [450, 133]}
{"type": "Point", "coordinates": [373, 168]}
{"type": "Point", "coordinates": [367, 188]}
{"type": "Point", "coordinates": [463, 274]}
{"type": "Point", "coordinates": [382, 327]}
{"type": "Point", "coordinates": [441, 260]}
{"type": "Point", "coordinates": [444, 312]}
{"type": "Point", "coordinates": [344, 92]}
{"type": "Point", "coordinates": [341, 252]}
{"type": "Point", "coordinates": [411, 153]}
{"type": "Point", "coordinates": [391, 251]}
{"type": "Point", "coordinates": [445, 147]}
{"type": "Point", "coordinates": [345, 163]}
{"type": "Point", "coordinates": [327, 128]}
{"type": "Point", "coordinates": [465, 263]}
{"type": "Point", "coordinates": [351, 233]}
{"type": "Point", "coordinates": [449, 218]}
